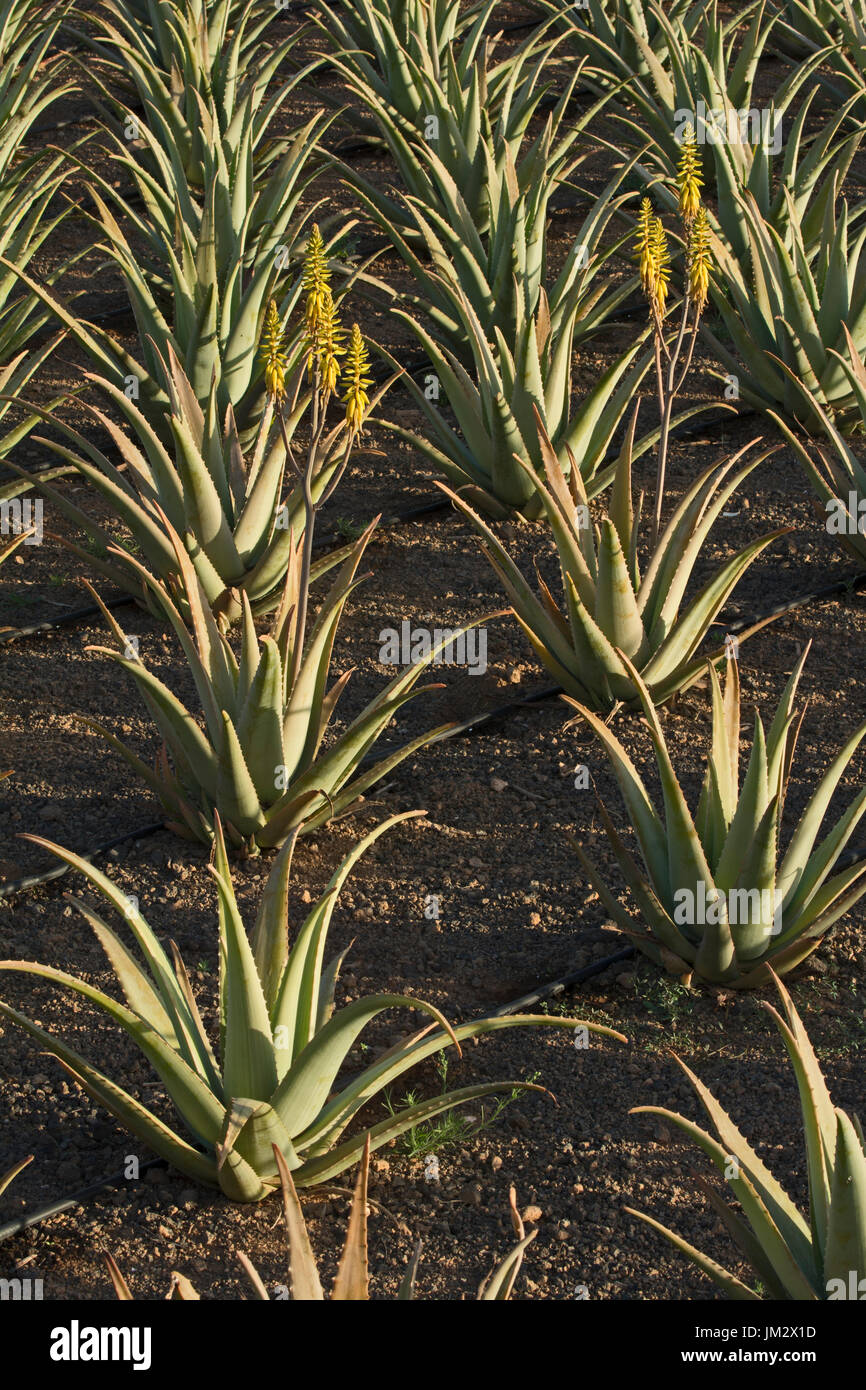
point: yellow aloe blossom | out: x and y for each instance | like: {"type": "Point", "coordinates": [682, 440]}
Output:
{"type": "Point", "coordinates": [643, 248]}
{"type": "Point", "coordinates": [328, 347]}
{"type": "Point", "coordinates": [357, 370]}
{"type": "Point", "coordinates": [689, 177]}
{"type": "Point", "coordinates": [273, 353]}
{"type": "Point", "coordinates": [316, 283]}
{"type": "Point", "coordinates": [661, 263]}
{"type": "Point", "coordinates": [699, 260]}
{"type": "Point", "coordinates": [325, 335]}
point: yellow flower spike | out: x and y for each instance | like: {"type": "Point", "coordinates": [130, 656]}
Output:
{"type": "Point", "coordinates": [329, 347]}
{"type": "Point", "coordinates": [325, 335]}
{"type": "Point", "coordinates": [643, 247]}
{"type": "Point", "coordinates": [357, 370]}
{"type": "Point", "coordinates": [699, 260]}
{"type": "Point", "coordinates": [689, 177]}
{"type": "Point", "coordinates": [316, 283]}
{"type": "Point", "coordinates": [273, 353]}
{"type": "Point", "coordinates": [661, 261]}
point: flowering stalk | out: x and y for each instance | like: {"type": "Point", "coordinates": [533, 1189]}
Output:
{"type": "Point", "coordinates": [325, 346]}
{"type": "Point", "coordinates": [653, 256]}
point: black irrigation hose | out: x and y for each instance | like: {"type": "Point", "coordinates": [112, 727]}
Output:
{"type": "Point", "coordinates": [473, 723]}
{"type": "Point", "coordinates": [489, 716]}
{"type": "Point", "coordinates": [465, 726]}
{"type": "Point", "coordinates": [554, 987]}
{"type": "Point", "coordinates": [853, 584]}
{"type": "Point", "coordinates": [77, 1199]}
{"type": "Point", "coordinates": [20, 885]}
{"type": "Point", "coordinates": [75, 615]}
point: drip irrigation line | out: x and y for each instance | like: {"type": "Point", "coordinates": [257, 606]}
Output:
{"type": "Point", "coordinates": [554, 987]}
{"type": "Point", "coordinates": [466, 726]}
{"type": "Point", "coordinates": [853, 584]}
{"type": "Point", "coordinates": [489, 716]}
{"type": "Point", "coordinates": [475, 722]}
{"type": "Point", "coordinates": [20, 885]}
{"type": "Point", "coordinates": [75, 615]}
{"type": "Point", "coordinates": [77, 1199]}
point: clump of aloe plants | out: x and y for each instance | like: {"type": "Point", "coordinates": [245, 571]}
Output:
{"type": "Point", "coordinates": [259, 760]}
{"type": "Point", "coordinates": [270, 1082]}
{"type": "Point", "coordinates": [614, 610]}
{"type": "Point", "coordinates": [717, 898]}
{"type": "Point", "coordinates": [239, 512]}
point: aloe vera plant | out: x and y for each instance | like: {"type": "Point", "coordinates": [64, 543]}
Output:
{"type": "Point", "coordinates": [396, 52]}
{"type": "Point", "coordinates": [837, 476]}
{"type": "Point", "coordinates": [496, 456]}
{"type": "Point", "coordinates": [608, 607]}
{"type": "Point", "coordinates": [821, 1255]}
{"type": "Point", "coordinates": [790, 302]}
{"type": "Point", "coordinates": [468, 120]}
{"type": "Point", "coordinates": [214, 260]}
{"type": "Point", "coordinates": [622, 39]}
{"type": "Point", "coordinates": [707, 81]}
{"type": "Point", "coordinates": [715, 898]}
{"type": "Point", "coordinates": [272, 1077]}
{"type": "Point", "coordinates": [803, 177]}
{"type": "Point", "coordinates": [503, 273]}
{"type": "Point", "coordinates": [185, 58]}
{"type": "Point", "coordinates": [259, 761]}
{"type": "Point", "coordinates": [238, 521]}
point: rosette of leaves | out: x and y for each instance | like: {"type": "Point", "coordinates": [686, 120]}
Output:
{"type": "Point", "coordinates": [377, 39]}
{"type": "Point", "coordinates": [259, 760]}
{"type": "Point", "coordinates": [609, 604]}
{"type": "Point", "coordinates": [495, 455]}
{"type": "Point", "coordinates": [270, 1078]}
{"type": "Point", "coordinates": [787, 309]}
{"type": "Point", "coordinates": [717, 899]}
{"type": "Point", "coordinates": [706, 81]}
{"type": "Point", "coordinates": [623, 39]}
{"type": "Point", "coordinates": [238, 519]}
{"type": "Point", "coordinates": [200, 288]}
{"type": "Point", "coordinates": [503, 272]}
{"type": "Point", "coordinates": [184, 58]}
{"type": "Point", "coordinates": [467, 121]}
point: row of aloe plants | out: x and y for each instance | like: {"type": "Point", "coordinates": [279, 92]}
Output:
{"type": "Point", "coordinates": [252, 1110]}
